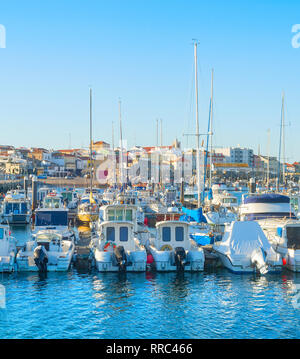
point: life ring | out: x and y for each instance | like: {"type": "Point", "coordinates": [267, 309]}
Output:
{"type": "Point", "coordinates": [107, 245]}
{"type": "Point", "coordinates": [166, 247]}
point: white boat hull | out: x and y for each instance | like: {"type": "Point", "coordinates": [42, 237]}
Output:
{"type": "Point", "coordinates": [105, 262]}
{"type": "Point", "coordinates": [164, 260]}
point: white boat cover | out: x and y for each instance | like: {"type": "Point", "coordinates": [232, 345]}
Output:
{"type": "Point", "coordinates": [243, 238]}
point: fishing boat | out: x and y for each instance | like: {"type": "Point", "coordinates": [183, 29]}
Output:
{"type": "Point", "coordinates": [173, 250]}
{"type": "Point", "coordinates": [244, 248]}
{"type": "Point", "coordinates": [8, 250]}
{"type": "Point", "coordinates": [46, 252]}
{"type": "Point", "coordinates": [16, 208]}
{"type": "Point", "coordinates": [117, 246]}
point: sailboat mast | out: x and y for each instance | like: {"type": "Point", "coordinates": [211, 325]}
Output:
{"type": "Point", "coordinates": [210, 127]}
{"type": "Point", "coordinates": [268, 168]}
{"type": "Point", "coordinates": [91, 143]}
{"type": "Point", "coordinates": [283, 140]}
{"type": "Point", "coordinates": [197, 127]}
{"type": "Point", "coordinates": [280, 140]}
{"type": "Point", "coordinates": [121, 146]}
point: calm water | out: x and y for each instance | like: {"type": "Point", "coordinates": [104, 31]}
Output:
{"type": "Point", "coordinates": [212, 304]}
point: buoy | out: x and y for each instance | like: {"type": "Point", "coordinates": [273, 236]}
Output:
{"type": "Point", "coordinates": [150, 259]}
{"type": "Point", "coordinates": [283, 261]}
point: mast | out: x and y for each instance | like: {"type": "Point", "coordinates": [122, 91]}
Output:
{"type": "Point", "coordinates": [280, 140]}
{"type": "Point", "coordinates": [268, 167]}
{"type": "Point", "coordinates": [210, 126]}
{"type": "Point", "coordinates": [113, 153]}
{"type": "Point", "coordinates": [121, 146]}
{"type": "Point", "coordinates": [197, 127]}
{"type": "Point", "coordinates": [91, 143]}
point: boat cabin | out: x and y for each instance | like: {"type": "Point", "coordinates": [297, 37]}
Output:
{"type": "Point", "coordinates": [119, 212]}
{"type": "Point", "coordinates": [51, 217]}
{"type": "Point", "coordinates": [117, 233]}
{"type": "Point", "coordinates": [172, 234]}
{"type": "Point", "coordinates": [53, 200]}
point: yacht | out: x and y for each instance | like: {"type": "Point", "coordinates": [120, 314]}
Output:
{"type": "Point", "coordinates": [173, 250]}
{"type": "Point", "coordinates": [54, 216]}
{"type": "Point", "coordinates": [16, 208]}
{"type": "Point", "coordinates": [117, 246]}
{"type": "Point", "coordinates": [7, 250]}
{"type": "Point", "coordinates": [244, 248]}
{"type": "Point", "coordinates": [47, 251]}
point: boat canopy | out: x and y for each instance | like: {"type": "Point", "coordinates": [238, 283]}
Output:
{"type": "Point", "coordinates": [267, 198]}
{"type": "Point", "coordinates": [51, 218]}
{"type": "Point", "coordinates": [193, 215]}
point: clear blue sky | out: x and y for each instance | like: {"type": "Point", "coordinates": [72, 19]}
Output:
{"type": "Point", "coordinates": [141, 51]}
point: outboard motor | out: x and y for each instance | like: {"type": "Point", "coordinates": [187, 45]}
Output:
{"type": "Point", "coordinates": [121, 258]}
{"type": "Point", "coordinates": [258, 260]}
{"type": "Point", "coordinates": [180, 258]}
{"type": "Point", "coordinates": [40, 258]}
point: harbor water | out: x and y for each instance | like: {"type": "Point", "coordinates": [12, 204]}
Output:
{"type": "Point", "coordinates": [88, 304]}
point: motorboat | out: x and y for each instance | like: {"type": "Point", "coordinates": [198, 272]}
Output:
{"type": "Point", "coordinates": [53, 200]}
{"type": "Point", "coordinates": [284, 236]}
{"type": "Point", "coordinates": [173, 250]}
{"type": "Point", "coordinates": [16, 208]}
{"type": "Point", "coordinates": [265, 206]}
{"type": "Point", "coordinates": [70, 198]}
{"type": "Point", "coordinates": [245, 248]}
{"type": "Point", "coordinates": [88, 210]}
{"type": "Point", "coordinates": [49, 218]}
{"type": "Point", "coordinates": [46, 252]}
{"type": "Point", "coordinates": [117, 246]}
{"type": "Point", "coordinates": [7, 250]}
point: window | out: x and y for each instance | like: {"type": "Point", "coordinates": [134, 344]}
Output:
{"type": "Point", "coordinates": [48, 218]}
{"type": "Point", "coordinates": [179, 232]}
{"type": "Point", "coordinates": [293, 237]}
{"type": "Point", "coordinates": [166, 234]}
{"type": "Point", "coordinates": [16, 208]}
{"type": "Point", "coordinates": [129, 215]}
{"type": "Point", "coordinates": [23, 208]}
{"type": "Point", "coordinates": [1, 233]}
{"type": "Point", "coordinates": [111, 215]}
{"type": "Point", "coordinates": [123, 234]}
{"type": "Point", "coordinates": [119, 214]}
{"type": "Point", "coordinates": [110, 234]}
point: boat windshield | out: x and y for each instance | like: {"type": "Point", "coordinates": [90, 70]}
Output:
{"type": "Point", "coordinates": [51, 218]}
{"type": "Point", "coordinates": [293, 237]}
{"type": "Point", "coordinates": [230, 200]}
{"type": "Point", "coordinates": [52, 202]}
{"type": "Point", "coordinates": [67, 196]}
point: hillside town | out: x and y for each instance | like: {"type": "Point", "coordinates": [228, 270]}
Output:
{"type": "Point", "coordinates": [233, 162]}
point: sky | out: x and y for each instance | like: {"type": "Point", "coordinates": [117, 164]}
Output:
{"type": "Point", "coordinates": [142, 53]}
